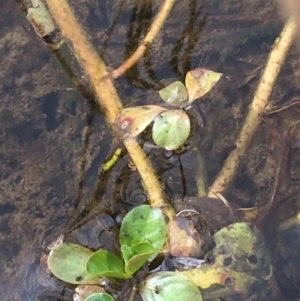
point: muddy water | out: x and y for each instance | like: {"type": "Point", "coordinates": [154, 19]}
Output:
{"type": "Point", "coordinates": [53, 138]}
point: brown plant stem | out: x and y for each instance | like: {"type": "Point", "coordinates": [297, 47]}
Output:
{"type": "Point", "coordinates": [257, 107]}
{"type": "Point", "coordinates": [106, 94]}
{"type": "Point", "coordinates": [154, 29]}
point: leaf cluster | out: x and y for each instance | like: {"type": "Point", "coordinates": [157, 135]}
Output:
{"type": "Point", "coordinates": [171, 128]}
{"type": "Point", "coordinates": [142, 236]}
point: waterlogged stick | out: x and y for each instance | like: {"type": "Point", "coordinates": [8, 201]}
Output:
{"type": "Point", "coordinates": [106, 94]}
{"type": "Point", "coordinates": [257, 108]}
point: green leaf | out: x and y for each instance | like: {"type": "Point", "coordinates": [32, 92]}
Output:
{"type": "Point", "coordinates": [136, 256]}
{"type": "Point", "coordinates": [132, 121]}
{"type": "Point", "coordinates": [169, 286]}
{"type": "Point", "coordinates": [175, 94]}
{"type": "Point", "coordinates": [105, 263]}
{"type": "Point", "coordinates": [171, 129]}
{"type": "Point", "coordinates": [143, 224]}
{"type": "Point", "coordinates": [67, 262]}
{"type": "Point", "coordinates": [40, 18]}
{"type": "Point", "coordinates": [200, 81]}
{"type": "Point", "coordinates": [126, 253]}
{"type": "Point", "coordinates": [100, 297]}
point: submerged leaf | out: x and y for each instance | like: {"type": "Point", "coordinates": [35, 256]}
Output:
{"type": "Point", "coordinates": [105, 263]}
{"type": "Point", "coordinates": [132, 121]}
{"type": "Point", "coordinates": [200, 81]}
{"type": "Point", "coordinates": [175, 94]}
{"type": "Point", "coordinates": [169, 286]}
{"type": "Point", "coordinates": [171, 129]}
{"type": "Point", "coordinates": [141, 225]}
{"type": "Point", "coordinates": [67, 262]}
{"type": "Point", "coordinates": [100, 297]}
{"type": "Point", "coordinates": [184, 239]}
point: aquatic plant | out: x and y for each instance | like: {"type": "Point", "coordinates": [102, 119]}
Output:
{"type": "Point", "coordinates": [171, 128]}
{"type": "Point", "coordinates": [142, 236]}
{"type": "Point", "coordinates": [78, 265]}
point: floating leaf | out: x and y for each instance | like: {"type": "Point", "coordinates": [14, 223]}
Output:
{"type": "Point", "coordinates": [169, 286]}
{"type": "Point", "coordinates": [132, 121]}
{"type": "Point", "coordinates": [105, 263]}
{"type": "Point", "coordinates": [136, 256]}
{"type": "Point", "coordinates": [40, 18]}
{"type": "Point", "coordinates": [175, 94]}
{"type": "Point", "coordinates": [100, 297]}
{"type": "Point", "coordinates": [171, 129]}
{"type": "Point", "coordinates": [200, 81]}
{"type": "Point", "coordinates": [143, 224]}
{"type": "Point", "coordinates": [67, 262]}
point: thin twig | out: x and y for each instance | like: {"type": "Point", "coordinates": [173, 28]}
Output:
{"type": "Point", "coordinates": [106, 94]}
{"type": "Point", "coordinates": [154, 29]}
{"type": "Point", "coordinates": [257, 108]}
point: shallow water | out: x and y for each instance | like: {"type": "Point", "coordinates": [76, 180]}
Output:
{"type": "Point", "coordinates": [54, 139]}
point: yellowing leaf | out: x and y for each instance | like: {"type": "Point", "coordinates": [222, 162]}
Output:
{"type": "Point", "coordinates": [200, 81]}
{"type": "Point", "coordinates": [132, 121]}
{"type": "Point", "coordinates": [40, 18]}
{"type": "Point", "coordinates": [204, 278]}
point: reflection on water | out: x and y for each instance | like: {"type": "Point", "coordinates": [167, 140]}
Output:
{"type": "Point", "coordinates": [53, 138]}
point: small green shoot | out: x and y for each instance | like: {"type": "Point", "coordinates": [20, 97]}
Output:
{"type": "Point", "coordinates": [143, 224]}
{"type": "Point", "coordinates": [105, 263]}
{"type": "Point", "coordinates": [136, 256]}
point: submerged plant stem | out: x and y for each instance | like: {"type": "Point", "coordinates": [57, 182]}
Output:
{"type": "Point", "coordinates": [154, 29]}
{"type": "Point", "coordinates": [257, 107]}
{"type": "Point", "coordinates": [152, 184]}
{"type": "Point", "coordinates": [105, 93]}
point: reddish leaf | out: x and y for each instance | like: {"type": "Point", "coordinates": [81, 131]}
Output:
{"type": "Point", "coordinates": [200, 81]}
{"type": "Point", "coordinates": [132, 121]}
